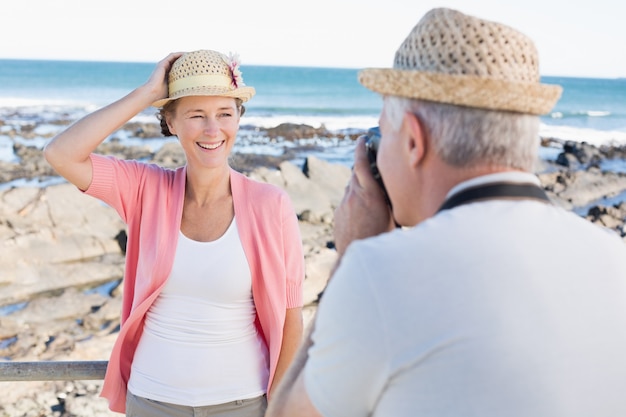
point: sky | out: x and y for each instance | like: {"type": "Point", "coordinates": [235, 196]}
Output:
{"type": "Point", "coordinates": [574, 37]}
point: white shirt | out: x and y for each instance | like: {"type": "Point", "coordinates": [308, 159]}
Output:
{"type": "Point", "coordinates": [493, 308]}
{"type": "Point", "coordinates": [200, 345]}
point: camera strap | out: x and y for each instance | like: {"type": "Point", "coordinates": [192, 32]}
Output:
{"type": "Point", "coordinates": [496, 191]}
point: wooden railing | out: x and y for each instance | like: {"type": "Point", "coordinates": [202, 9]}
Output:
{"type": "Point", "coordinates": [52, 370]}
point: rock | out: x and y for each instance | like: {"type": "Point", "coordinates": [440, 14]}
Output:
{"type": "Point", "coordinates": [611, 217]}
{"type": "Point", "coordinates": [318, 269]}
{"type": "Point", "coordinates": [309, 198]}
{"type": "Point", "coordinates": [573, 189]}
{"type": "Point", "coordinates": [170, 155]}
{"type": "Point", "coordinates": [315, 190]}
{"type": "Point", "coordinates": [291, 131]}
{"type": "Point", "coordinates": [581, 155]}
{"type": "Point", "coordinates": [55, 238]}
{"type": "Point", "coordinates": [332, 178]}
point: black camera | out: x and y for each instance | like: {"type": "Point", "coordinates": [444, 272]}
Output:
{"type": "Point", "coordinates": [372, 142]}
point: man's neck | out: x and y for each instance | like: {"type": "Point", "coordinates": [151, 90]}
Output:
{"type": "Point", "coordinates": [442, 178]}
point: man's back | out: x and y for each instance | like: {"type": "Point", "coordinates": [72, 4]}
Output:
{"type": "Point", "coordinates": [494, 308]}
{"type": "Point", "coordinates": [509, 306]}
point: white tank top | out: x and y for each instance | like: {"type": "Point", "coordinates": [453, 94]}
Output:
{"type": "Point", "coordinates": [200, 345]}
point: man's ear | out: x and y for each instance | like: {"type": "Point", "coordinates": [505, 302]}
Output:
{"type": "Point", "coordinates": [415, 138]}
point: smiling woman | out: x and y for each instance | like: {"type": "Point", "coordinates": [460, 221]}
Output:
{"type": "Point", "coordinates": [214, 261]}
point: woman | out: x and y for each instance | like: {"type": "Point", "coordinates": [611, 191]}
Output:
{"type": "Point", "coordinates": [212, 309]}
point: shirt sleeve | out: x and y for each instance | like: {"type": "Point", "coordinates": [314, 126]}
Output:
{"type": "Point", "coordinates": [348, 362]}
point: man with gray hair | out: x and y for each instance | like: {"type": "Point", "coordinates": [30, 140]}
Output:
{"type": "Point", "coordinates": [490, 300]}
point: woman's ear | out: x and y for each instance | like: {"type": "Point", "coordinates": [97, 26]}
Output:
{"type": "Point", "coordinates": [170, 126]}
{"type": "Point", "coordinates": [415, 138]}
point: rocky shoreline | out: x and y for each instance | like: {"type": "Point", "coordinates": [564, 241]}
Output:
{"type": "Point", "coordinates": [62, 253]}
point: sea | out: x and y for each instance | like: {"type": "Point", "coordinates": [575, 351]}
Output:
{"type": "Point", "coordinates": [592, 110]}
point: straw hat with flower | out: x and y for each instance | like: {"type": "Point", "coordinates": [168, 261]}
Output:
{"type": "Point", "coordinates": [450, 57]}
{"type": "Point", "coordinates": [206, 73]}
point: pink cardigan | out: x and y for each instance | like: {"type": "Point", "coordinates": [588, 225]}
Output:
{"type": "Point", "coordinates": [149, 200]}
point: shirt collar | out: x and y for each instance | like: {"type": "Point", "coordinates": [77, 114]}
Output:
{"type": "Point", "coordinates": [516, 177]}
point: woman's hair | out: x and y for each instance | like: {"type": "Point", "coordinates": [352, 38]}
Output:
{"type": "Point", "coordinates": [169, 109]}
{"type": "Point", "coordinates": [466, 137]}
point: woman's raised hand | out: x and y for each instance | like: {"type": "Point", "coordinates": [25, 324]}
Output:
{"type": "Point", "coordinates": [157, 83]}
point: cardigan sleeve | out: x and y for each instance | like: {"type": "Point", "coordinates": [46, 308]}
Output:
{"type": "Point", "coordinates": [113, 181]}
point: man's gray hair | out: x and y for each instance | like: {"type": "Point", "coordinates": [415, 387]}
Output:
{"type": "Point", "coordinates": [467, 137]}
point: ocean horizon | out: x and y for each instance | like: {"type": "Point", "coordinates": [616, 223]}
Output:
{"type": "Point", "coordinates": [37, 92]}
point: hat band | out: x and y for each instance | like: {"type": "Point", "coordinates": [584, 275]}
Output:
{"type": "Point", "coordinates": [199, 81]}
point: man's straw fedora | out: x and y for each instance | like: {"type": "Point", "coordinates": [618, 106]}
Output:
{"type": "Point", "coordinates": [450, 57]}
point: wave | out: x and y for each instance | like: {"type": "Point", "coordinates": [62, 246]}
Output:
{"type": "Point", "coordinates": [330, 122]}
{"type": "Point", "coordinates": [311, 110]}
{"type": "Point", "coordinates": [592, 136]}
{"type": "Point", "coordinates": [587, 113]}
{"type": "Point", "coordinates": [22, 102]}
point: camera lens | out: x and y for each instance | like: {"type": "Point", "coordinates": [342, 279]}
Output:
{"type": "Point", "coordinates": [372, 142]}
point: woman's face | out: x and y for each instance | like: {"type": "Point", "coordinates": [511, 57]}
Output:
{"type": "Point", "coordinates": [206, 127]}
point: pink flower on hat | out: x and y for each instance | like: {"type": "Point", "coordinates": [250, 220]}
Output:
{"type": "Point", "coordinates": [235, 72]}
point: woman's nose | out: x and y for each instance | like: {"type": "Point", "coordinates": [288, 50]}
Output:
{"type": "Point", "coordinates": [210, 127]}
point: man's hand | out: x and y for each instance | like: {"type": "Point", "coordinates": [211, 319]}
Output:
{"type": "Point", "coordinates": [364, 211]}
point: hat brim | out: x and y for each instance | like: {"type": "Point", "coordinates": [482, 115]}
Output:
{"type": "Point", "coordinates": [463, 90]}
{"type": "Point", "coordinates": [243, 93]}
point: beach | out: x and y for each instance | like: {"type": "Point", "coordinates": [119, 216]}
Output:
{"type": "Point", "coordinates": [62, 253]}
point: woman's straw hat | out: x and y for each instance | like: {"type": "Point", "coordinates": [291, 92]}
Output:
{"type": "Point", "coordinates": [206, 73]}
{"type": "Point", "coordinates": [453, 58]}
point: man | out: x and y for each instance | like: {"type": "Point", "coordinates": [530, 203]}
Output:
{"type": "Point", "coordinates": [490, 301]}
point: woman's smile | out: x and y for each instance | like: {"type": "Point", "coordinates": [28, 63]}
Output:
{"type": "Point", "coordinates": [210, 146]}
